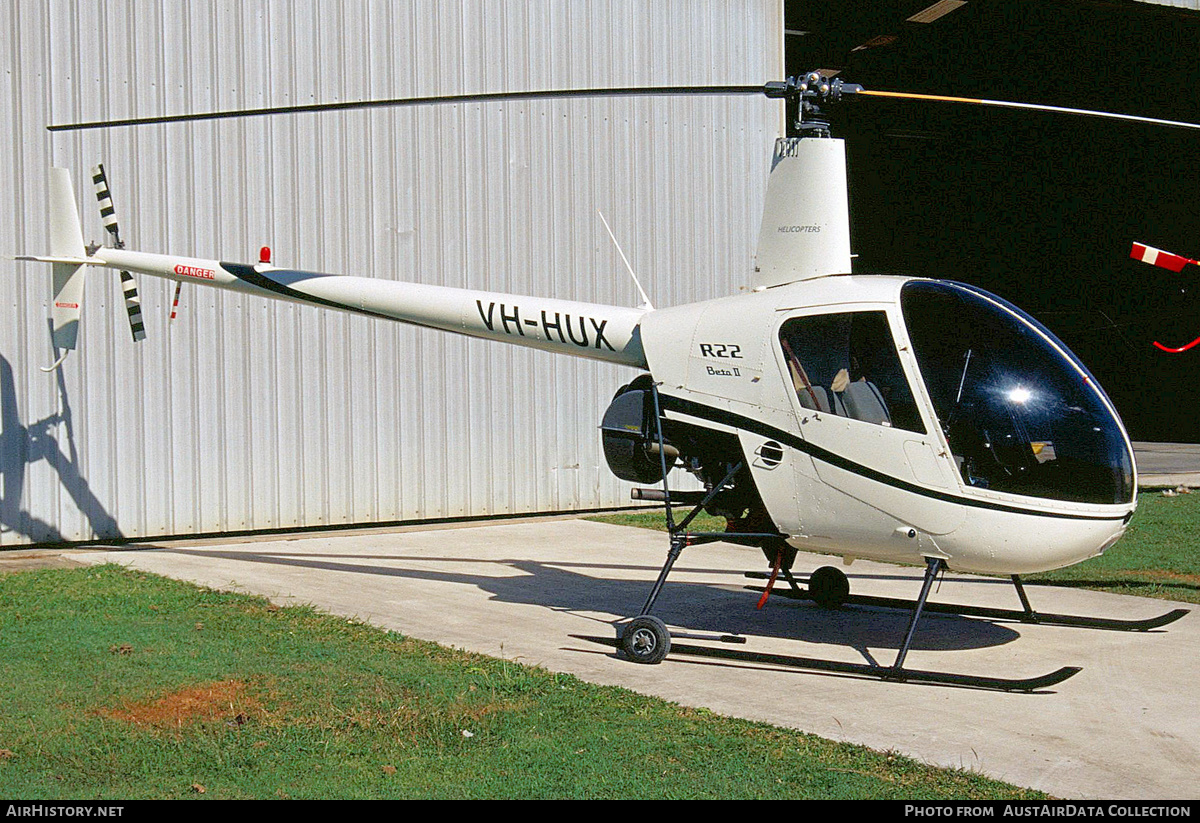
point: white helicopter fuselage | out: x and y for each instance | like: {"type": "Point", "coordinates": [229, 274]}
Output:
{"type": "Point", "coordinates": [858, 487]}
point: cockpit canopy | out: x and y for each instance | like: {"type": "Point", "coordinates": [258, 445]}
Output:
{"type": "Point", "coordinates": [1021, 413]}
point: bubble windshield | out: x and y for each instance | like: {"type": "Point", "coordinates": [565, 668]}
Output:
{"type": "Point", "coordinates": [1021, 414]}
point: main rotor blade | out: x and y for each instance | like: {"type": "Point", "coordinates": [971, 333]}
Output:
{"type": "Point", "coordinates": [1029, 106]}
{"type": "Point", "coordinates": [772, 90]}
{"type": "Point", "coordinates": [634, 91]}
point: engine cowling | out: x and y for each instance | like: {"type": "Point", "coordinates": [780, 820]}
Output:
{"type": "Point", "coordinates": [629, 434]}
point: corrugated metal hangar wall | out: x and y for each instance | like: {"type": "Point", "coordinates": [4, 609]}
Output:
{"type": "Point", "coordinates": [253, 414]}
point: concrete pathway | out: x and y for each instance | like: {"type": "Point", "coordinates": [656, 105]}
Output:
{"type": "Point", "coordinates": [1167, 464]}
{"type": "Point", "coordinates": [1125, 727]}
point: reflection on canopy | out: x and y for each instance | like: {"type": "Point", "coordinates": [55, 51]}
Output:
{"type": "Point", "coordinates": [1020, 413]}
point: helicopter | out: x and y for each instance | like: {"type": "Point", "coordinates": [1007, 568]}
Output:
{"type": "Point", "coordinates": [891, 418]}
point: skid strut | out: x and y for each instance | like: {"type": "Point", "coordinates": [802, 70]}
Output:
{"type": "Point", "coordinates": [932, 566]}
{"type": "Point", "coordinates": [638, 631]}
{"type": "Point", "coordinates": [645, 638]}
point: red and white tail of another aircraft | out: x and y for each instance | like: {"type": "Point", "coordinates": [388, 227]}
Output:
{"type": "Point", "coordinates": [1171, 262]}
{"type": "Point", "coordinates": [1160, 258]}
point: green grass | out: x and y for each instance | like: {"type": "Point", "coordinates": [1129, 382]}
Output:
{"type": "Point", "coordinates": [1159, 556]}
{"type": "Point", "coordinates": [125, 685]}
{"type": "Point", "coordinates": [655, 520]}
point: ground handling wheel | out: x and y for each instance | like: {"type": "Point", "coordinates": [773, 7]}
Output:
{"type": "Point", "coordinates": [829, 587]}
{"type": "Point", "coordinates": [645, 639]}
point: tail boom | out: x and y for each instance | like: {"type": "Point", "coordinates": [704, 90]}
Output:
{"type": "Point", "coordinates": [590, 330]}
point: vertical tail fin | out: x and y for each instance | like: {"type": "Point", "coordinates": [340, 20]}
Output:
{"type": "Point", "coordinates": [66, 235]}
{"type": "Point", "coordinates": [66, 242]}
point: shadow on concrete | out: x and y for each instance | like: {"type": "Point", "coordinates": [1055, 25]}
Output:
{"type": "Point", "coordinates": [702, 607]}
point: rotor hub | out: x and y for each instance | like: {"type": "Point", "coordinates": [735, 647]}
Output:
{"type": "Point", "coordinates": [811, 92]}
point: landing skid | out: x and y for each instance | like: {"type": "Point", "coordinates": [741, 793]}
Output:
{"type": "Point", "coordinates": [1024, 616]}
{"type": "Point", "coordinates": [816, 664]}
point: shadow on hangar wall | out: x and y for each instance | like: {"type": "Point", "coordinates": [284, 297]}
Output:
{"type": "Point", "coordinates": [1039, 208]}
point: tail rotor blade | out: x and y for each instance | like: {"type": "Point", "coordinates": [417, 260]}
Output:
{"type": "Point", "coordinates": [133, 307]}
{"type": "Point", "coordinates": [108, 214]}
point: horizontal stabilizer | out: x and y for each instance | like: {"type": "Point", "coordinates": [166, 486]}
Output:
{"type": "Point", "coordinates": [69, 261]}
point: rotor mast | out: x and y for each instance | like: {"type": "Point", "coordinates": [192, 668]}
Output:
{"type": "Point", "coordinates": [805, 229]}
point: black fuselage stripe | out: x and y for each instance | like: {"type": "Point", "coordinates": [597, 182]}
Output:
{"type": "Point", "coordinates": [247, 274]}
{"type": "Point", "coordinates": [744, 423]}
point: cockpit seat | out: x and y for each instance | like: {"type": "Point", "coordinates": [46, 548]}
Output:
{"type": "Point", "coordinates": [863, 401]}
{"type": "Point", "coordinates": [816, 398]}
{"type": "Point", "coordinates": [810, 396]}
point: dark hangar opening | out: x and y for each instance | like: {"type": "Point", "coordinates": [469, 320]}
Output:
{"type": "Point", "coordinates": [1040, 208]}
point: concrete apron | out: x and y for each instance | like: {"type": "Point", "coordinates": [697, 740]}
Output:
{"type": "Point", "coordinates": [1125, 727]}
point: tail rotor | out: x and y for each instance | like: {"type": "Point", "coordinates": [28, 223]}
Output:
{"type": "Point", "coordinates": [108, 215]}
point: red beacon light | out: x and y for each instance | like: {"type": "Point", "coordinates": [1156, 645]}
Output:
{"type": "Point", "coordinates": [264, 255]}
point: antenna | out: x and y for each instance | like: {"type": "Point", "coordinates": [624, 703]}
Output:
{"type": "Point", "coordinates": [646, 304]}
